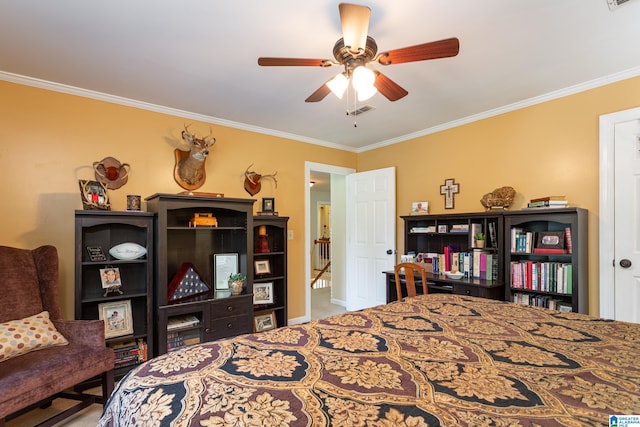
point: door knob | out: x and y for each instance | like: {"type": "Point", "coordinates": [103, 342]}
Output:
{"type": "Point", "coordinates": [625, 263]}
{"type": "Point", "coordinates": [389, 252]}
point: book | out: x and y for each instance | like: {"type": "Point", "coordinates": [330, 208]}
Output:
{"type": "Point", "coordinates": [548, 198]}
{"type": "Point", "coordinates": [548, 203]}
{"type": "Point", "coordinates": [568, 239]}
{"type": "Point", "coordinates": [178, 322]}
{"type": "Point", "coordinates": [549, 251]}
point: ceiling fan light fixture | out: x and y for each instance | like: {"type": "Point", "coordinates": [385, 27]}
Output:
{"type": "Point", "coordinates": [363, 78]}
{"type": "Point", "coordinates": [366, 93]}
{"type": "Point", "coordinates": [338, 85]}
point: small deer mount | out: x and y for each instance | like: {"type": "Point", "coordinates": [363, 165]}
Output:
{"type": "Point", "coordinates": [189, 171]}
{"type": "Point", "coordinates": [252, 181]}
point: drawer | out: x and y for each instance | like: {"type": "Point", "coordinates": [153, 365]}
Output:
{"type": "Point", "coordinates": [472, 291]}
{"type": "Point", "coordinates": [230, 307]}
{"type": "Point", "coordinates": [230, 326]}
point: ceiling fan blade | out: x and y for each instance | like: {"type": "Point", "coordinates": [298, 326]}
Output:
{"type": "Point", "coordinates": [319, 94]}
{"type": "Point", "coordinates": [295, 62]}
{"type": "Point", "coordinates": [355, 25]}
{"type": "Point", "coordinates": [390, 89]}
{"type": "Point", "coordinates": [432, 50]}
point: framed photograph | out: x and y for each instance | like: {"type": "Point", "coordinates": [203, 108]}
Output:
{"type": "Point", "coordinates": [263, 293]}
{"type": "Point", "coordinates": [224, 265]}
{"type": "Point", "coordinates": [110, 277]}
{"type": "Point", "coordinates": [442, 228]}
{"type": "Point", "coordinates": [418, 208]}
{"type": "Point", "coordinates": [550, 240]}
{"type": "Point", "coordinates": [262, 266]}
{"type": "Point", "coordinates": [264, 322]}
{"type": "Point", "coordinates": [268, 204]}
{"type": "Point", "coordinates": [94, 195]}
{"type": "Point", "coordinates": [117, 318]}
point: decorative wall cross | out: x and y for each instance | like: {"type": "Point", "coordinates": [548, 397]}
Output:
{"type": "Point", "coordinates": [448, 190]}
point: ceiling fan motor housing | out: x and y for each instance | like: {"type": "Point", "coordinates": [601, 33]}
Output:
{"type": "Point", "coordinates": [350, 60]}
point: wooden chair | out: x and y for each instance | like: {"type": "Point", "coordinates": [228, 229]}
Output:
{"type": "Point", "coordinates": [410, 271]}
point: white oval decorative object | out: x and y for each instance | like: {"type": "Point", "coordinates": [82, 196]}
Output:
{"type": "Point", "coordinates": [127, 251]}
{"type": "Point", "coordinates": [456, 275]}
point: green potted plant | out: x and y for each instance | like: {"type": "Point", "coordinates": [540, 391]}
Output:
{"type": "Point", "coordinates": [236, 283]}
{"type": "Point", "coordinates": [479, 240]}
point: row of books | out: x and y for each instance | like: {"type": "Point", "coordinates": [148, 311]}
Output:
{"type": "Point", "coordinates": [548, 202]}
{"type": "Point", "coordinates": [176, 340]}
{"type": "Point", "coordinates": [523, 241]}
{"type": "Point", "coordinates": [542, 276]}
{"type": "Point", "coordinates": [541, 301]}
{"type": "Point", "coordinates": [130, 352]}
{"type": "Point", "coordinates": [477, 264]}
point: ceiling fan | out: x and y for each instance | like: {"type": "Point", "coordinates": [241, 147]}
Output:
{"type": "Point", "coordinates": [356, 49]}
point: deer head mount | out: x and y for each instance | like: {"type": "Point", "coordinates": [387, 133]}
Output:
{"type": "Point", "coordinates": [189, 171]}
{"type": "Point", "coordinates": [252, 181]}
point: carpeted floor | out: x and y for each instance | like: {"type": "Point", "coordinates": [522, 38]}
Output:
{"type": "Point", "coordinates": [88, 417]}
{"type": "Point", "coordinates": [321, 306]}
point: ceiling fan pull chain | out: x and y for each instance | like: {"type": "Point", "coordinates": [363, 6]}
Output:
{"type": "Point", "coordinates": [355, 109]}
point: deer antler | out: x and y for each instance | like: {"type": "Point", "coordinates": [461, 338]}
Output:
{"type": "Point", "coordinates": [252, 180]}
{"type": "Point", "coordinates": [272, 176]}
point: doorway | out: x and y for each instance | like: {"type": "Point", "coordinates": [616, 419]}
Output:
{"type": "Point", "coordinates": [334, 194]}
{"type": "Point", "coordinates": [619, 202]}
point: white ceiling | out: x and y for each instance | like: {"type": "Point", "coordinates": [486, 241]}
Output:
{"type": "Point", "coordinates": [198, 58]}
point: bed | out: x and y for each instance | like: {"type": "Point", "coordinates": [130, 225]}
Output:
{"type": "Point", "coordinates": [430, 360]}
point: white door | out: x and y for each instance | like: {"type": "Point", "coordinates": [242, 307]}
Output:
{"type": "Point", "coordinates": [371, 226]}
{"type": "Point", "coordinates": [627, 221]}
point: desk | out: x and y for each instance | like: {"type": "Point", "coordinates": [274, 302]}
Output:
{"type": "Point", "coordinates": [440, 284]}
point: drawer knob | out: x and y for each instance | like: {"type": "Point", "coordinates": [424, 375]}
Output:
{"type": "Point", "coordinates": [229, 308]}
{"type": "Point", "coordinates": [229, 325]}
{"type": "Point", "coordinates": [468, 292]}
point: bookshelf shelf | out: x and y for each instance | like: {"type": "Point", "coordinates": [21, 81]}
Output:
{"type": "Point", "coordinates": [106, 229]}
{"type": "Point", "coordinates": [553, 280]}
{"type": "Point", "coordinates": [434, 235]}
{"type": "Point", "coordinates": [220, 314]}
{"type": "Point", "coordinates": [276, 236]}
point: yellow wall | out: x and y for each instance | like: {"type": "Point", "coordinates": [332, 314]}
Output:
{"type": "Point", "coordinates": [49, 140]}
{"type": "Point", "coordinates": [546, 149]}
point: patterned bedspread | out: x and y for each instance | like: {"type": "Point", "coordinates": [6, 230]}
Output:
{"type": "Point", "coordinates": [432, 360]}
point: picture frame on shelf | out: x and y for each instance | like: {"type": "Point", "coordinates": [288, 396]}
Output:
{"type": "Point", "coordinates": [262, 267]}
{"type": "Point", "coordinates": [263, 293]}
{"type": "Point", "coordinates": [550, 240]}
{"type": "Point", "coordinates": [224, 265]}
{"type": "Point", "coordinates": [268, 204]}
{"type": "Point", "coordinates": [442, 228]}
{"type": "Point", "coordinates": [110, 277]}
{"type": "Point", "coordinates": [117, 318]}
{"type": "Point", "coordinates": [264, 322]}
{"type": "Point", "coordinates": [419, 208]}
{"type": "Point", "coordinates": [111, 280]}
{"type": "Point", "coordinates": [94, 195]}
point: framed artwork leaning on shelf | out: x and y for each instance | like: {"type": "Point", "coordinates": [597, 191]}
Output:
{"type": "Point", "coordinates": [262, 267]}
{"type": "Point", "coordinates": [263, 293]}
{"type": "Point", "coordinates": [117, 318]}
{"type": "Point", "coordinates": [264, 322]}
{"type": "Point", "coordinates": [224, 265]}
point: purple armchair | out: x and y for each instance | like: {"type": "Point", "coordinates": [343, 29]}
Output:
{"type": "Point", "coordinates": [30, 286]}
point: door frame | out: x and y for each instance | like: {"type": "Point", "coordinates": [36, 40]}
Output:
{"type": "Point", "coordinates": [308, 167]}
{"type": "Point", "coordinates": [606, 224]}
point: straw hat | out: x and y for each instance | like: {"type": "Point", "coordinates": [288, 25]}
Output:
{"type": "Point", "coordinates": [111, 173]}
